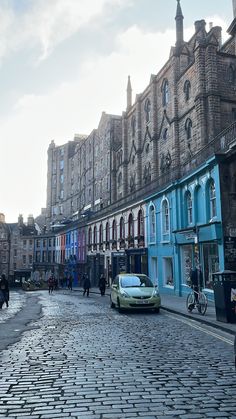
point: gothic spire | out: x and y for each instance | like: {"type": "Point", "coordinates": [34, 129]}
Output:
{"type": "Point", "coordinates": [179, 25]}
{"type": "Point", "coordinates": [129, 94]}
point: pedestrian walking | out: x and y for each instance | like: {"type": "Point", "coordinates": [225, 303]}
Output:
{"type": "Point", "coordinates": [87, 285]}
{"type": "Point", "coordinates": [4, 291]}
{"type": "Point", "coordinates": [70, 282]}
{"type": "Point", "coordinates": [55, 283]}
{"type": "Point", "coordinates": [102, 284]}
{"type": "Point", "coordinates": [50, 284]}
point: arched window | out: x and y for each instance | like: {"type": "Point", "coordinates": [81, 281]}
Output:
{"type": "Point", "coordinates": [107, 232]}
{"type": "Point", "coordinates": [131, 225]}
{"type": "Point", "coordinates": [165, 220]}
{"type": "Point", "coordinates": [140, 223]}
{"type": "Point", "coordinates": [187, 90]}
{"type": "Point", "coordinates": [152, 224]}
{"type": "Point", "coordinates": [212, 197]}
{"type": "Point", "coordinates": [165, 93]}
{"type": "Point", "coordinates": [114, 232]}
{"type": "Point", "coordinates": [188, 128]}
{"type": "Point", "coordinates": [119, 179]}
{"type": "Point", "coordinates": [122, 228]}
{"type": "Point", "coordinates": [95, 235]}
{"type": "Point", "coordinates": [100, 234]}
{"type": "Point", "coordinates": [90, 236]}
{"type": "Point", "coordinates": [147, 109]}
{"type": "Point", "coordinates": [189, 207]}
{"type": "Point", "coordinates": [231, 74]}
{"type": "Point", "coordinates": [165, 134]}
{"type": "Point", "coordinates": [133, 125]}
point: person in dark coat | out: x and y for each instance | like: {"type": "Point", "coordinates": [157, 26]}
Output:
{"type": "Point", "coordinates": [87, 285]}
{"type": "Point", "coordinates": [102, 284]}
{"type": "Point", "coordinates": [196, 279]}
{"type": "Point", "coordinates": [50, 284]}
{"type": "Point", "coordinates": [4, 289]}
{"type": "Point", "coordinates": [70, 282]}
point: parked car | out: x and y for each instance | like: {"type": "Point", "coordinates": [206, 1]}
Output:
{"type": "Point", "coordinates": [134, 291]}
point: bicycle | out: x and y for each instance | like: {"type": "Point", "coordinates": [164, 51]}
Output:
{"type": "Point", "coordinates": [200, 303]}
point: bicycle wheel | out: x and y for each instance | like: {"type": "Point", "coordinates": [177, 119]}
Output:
{"type": "Point", "coordinates": [202, 303]}
{"type": "Point", "coordinates": [190, 302]}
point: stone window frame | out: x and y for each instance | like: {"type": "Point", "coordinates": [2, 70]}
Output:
{"type": "Point", "coordinates": [165, 92]}
{"type": "Point", "coordinates": [187, 90]}
{"type": "Point", "coordinates": [133, 125]}
{"type": "Point", "coordinates": [165, 219]}
{"type": "Point", "coordinates": [152, 223]}
{"type": "Point", "coordinates": [188, 128]}
{"type": "Point", "coordinates": [189, 207]}
{"type": "Point", "coordinates": [122, 228]}
{"type": "Point", "coordinates": [131, 225]}
{"type": "Point", "coordinates": [165, 134]}
{"type": "Point", "coordinates": [231, 73]}
{"type": "Point", "coordinates": [100, 234]}
{"type": "Point", "coordinates": [212, 199]}
{"type": "Point", "coordinates": [114, 230]}
{"type": "Point", "coordinates": [147, 109]}
{"type": "Point", "coordinates": [141, 223]}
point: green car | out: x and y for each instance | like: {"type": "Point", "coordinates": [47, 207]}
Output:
{"type": "Point", "coordinates": [134, 291]}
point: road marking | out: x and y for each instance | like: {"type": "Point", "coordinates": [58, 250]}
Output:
{"type": "Point", "coordinates": [208, 332]}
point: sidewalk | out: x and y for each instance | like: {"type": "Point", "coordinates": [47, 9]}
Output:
{"type": "Point", "coordinates": [175, 304]}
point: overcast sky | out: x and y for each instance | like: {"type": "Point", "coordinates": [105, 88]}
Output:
{"type": "Point", "coordinates": [63, 62]}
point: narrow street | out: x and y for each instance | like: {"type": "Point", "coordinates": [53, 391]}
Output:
{"type": "Point", "coordinates": [82, 359]}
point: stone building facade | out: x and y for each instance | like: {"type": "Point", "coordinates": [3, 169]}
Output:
{"type": "Point", "coordinates": [17, 248]}
{"type": "Point", "coordinates": [185, 105]}
{"type": "Point", "coordinates": [181, 126]}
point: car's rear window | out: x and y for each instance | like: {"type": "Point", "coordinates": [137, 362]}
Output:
{"type": "Point", "coordinates": [135, 281]}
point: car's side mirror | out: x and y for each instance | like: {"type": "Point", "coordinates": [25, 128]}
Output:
{"type": "Point", "coordinates": [114, 286]}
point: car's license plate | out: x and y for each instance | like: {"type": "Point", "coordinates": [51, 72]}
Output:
{"type": "Point", "coordinates": [142, 302]}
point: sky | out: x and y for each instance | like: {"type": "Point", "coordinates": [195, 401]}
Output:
{"type": "Point", "coordinates": [64, 62]}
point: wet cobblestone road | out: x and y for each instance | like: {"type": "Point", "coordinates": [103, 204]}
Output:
{"type": "Point", "coordinates": [84, 360]}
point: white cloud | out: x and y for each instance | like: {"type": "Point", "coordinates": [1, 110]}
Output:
{"type": "Point", "coordinates": [48, 23]}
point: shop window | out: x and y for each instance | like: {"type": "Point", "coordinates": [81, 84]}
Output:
{"type": "Point", "coordinates": [187, 263]}
{"type": "Point", "coordinates": [154, 270]}
{"type": "Point", "coordinates": [210, 263]}
{"type": "Point", "coordinates": [168, 272]}
{"type": "Point", "coordinates": [152, 224]}
{"type": "Point", "coordinates": [189, 208]}
{"type": "Point", "coordinates": [165, 220]}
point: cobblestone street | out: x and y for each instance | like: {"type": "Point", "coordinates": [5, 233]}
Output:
{"type": "Point", "coordinates": [82, 359]}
